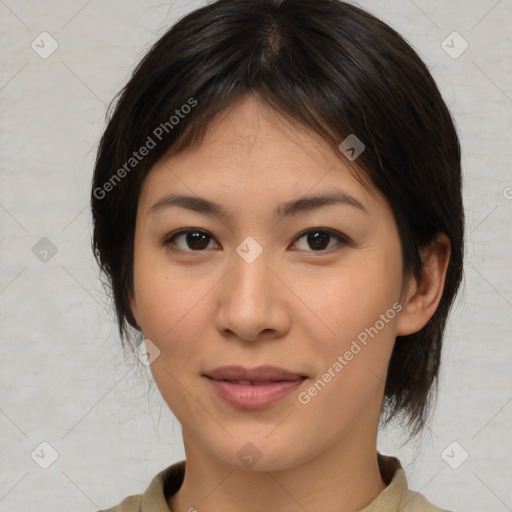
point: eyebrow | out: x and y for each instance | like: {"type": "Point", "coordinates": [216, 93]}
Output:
{"type": "Point", "coordinates": [202, 205]}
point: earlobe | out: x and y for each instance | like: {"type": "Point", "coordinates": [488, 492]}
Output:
{"type": "Point", "coordinates": [423, 296]}
{"type": "Point", "coordinates": [134, 308]}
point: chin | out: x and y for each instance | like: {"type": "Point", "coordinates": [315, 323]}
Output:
{"type": "Point", "coordinates": [259, 453]}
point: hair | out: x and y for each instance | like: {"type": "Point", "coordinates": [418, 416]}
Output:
{"type": "Point", "coordinates": [332, 68]}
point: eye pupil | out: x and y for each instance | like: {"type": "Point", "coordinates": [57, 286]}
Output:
{"type": "Point", "coordinates": [197, 240]}
{"type": "Point", "coordinates": [315, 239]}
{"type": "Point", "coordinates": [194, 237]}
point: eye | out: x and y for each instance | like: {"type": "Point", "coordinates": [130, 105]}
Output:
{"type": "Point", "coordinates": [319, 238]}
{"type": "Point", "coordinates": [196, 240]}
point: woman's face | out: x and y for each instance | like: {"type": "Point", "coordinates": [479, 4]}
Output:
{"type": "Point", "coordinates": [262, 284]}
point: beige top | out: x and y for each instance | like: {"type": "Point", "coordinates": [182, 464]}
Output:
{"type": "Point", "coordinates": [395, 497]}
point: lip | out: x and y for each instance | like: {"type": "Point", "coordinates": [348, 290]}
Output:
{"type": "Point", "coordinates": [254, 388]}
{"type": "Point", "coordinates": [258, 374]}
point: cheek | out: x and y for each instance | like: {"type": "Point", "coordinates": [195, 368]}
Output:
{"type": "Point", "coordinates": [359, 306]}
{"type": "Point", "coordinates": [351, 369]}
{"type": "Point", "coordinates": [173, 317]}
{"type": "Point", "coordinates": [162, 294]}
{"type": "Point", "coordinates": [353, 298]}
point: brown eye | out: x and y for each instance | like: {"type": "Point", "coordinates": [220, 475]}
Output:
{"type": "Point", "coordinates": [319, 239]}
{"type": "Point", "coordinates": [195, 240]}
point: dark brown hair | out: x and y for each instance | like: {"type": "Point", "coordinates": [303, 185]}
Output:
{"type": "Point", "coordinates": [328, 66]}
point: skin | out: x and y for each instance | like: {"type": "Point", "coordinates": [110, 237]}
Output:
{"type": "Point", "coordinates": [293, 307]}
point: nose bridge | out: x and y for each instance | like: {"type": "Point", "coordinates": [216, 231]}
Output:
{"type": "Point", "coordinates": [250, 301]}
{"type": "Point", "coordinates": [250, 276]}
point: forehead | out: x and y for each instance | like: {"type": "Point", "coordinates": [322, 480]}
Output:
{"type": "Point", "coordinates": [259, 149]}
{"type": "Point", "coordinates": [254, 127]}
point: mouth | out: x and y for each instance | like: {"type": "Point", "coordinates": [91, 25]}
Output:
{"type": "Point", "coordinates": [252, 382]}
{"type": "Point", "coordinates": [259, 374]}
{"type": "Point", "coordinates": [255, 388]}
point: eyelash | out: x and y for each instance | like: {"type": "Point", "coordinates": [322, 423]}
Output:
{"type": "Point", "coordinates": [344, 240]}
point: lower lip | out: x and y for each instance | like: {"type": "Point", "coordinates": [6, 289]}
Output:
{"type": "Point", "coordinates": [253, 397]}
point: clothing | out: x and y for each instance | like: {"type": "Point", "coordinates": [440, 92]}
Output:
{"type": "Point", "coordinates": [395, 497]}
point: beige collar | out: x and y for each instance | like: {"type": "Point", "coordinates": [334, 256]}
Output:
{"type": "Point", "coordinates": [396, 496]}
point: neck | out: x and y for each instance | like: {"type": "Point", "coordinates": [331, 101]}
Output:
{"type": "Point", "coordinates": [343, 478]}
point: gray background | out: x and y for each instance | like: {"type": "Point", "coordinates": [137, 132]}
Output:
{"type": "Point", "coordinates": [64, 379]}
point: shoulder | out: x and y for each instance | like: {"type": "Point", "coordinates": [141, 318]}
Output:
{"type": "Point", "coordinates": [154, 499]}
{"type": "Point", "coordinates": [129, 504]}
{"type": "Point", "coordinates": [416, 502]}
{"type": "Point", "coordinates": [397, 496]}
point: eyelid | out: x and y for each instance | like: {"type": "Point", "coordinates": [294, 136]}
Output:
{"type": "Point", "coordinates": [167, 240]}
{"type": "Point", "coordinates": [344, 239]}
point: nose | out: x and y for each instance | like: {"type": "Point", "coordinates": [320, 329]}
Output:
{"type": "Point", "coordinates": [253, 303]}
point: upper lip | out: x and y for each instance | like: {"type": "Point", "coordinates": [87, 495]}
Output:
{"type": "Point", "coordinates": [260, 373]}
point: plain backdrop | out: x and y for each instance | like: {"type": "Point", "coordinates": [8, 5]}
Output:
{"type": "Point", "coordinates": [64, 380]}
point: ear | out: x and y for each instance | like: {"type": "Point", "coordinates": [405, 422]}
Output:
{"type": "Point", "coordinates": [135, 308]}
{"type": "Point", "coordinates": [423, 296]}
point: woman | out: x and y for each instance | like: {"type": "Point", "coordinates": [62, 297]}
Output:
{"type": "Point", "coordinates": [277, 209]}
